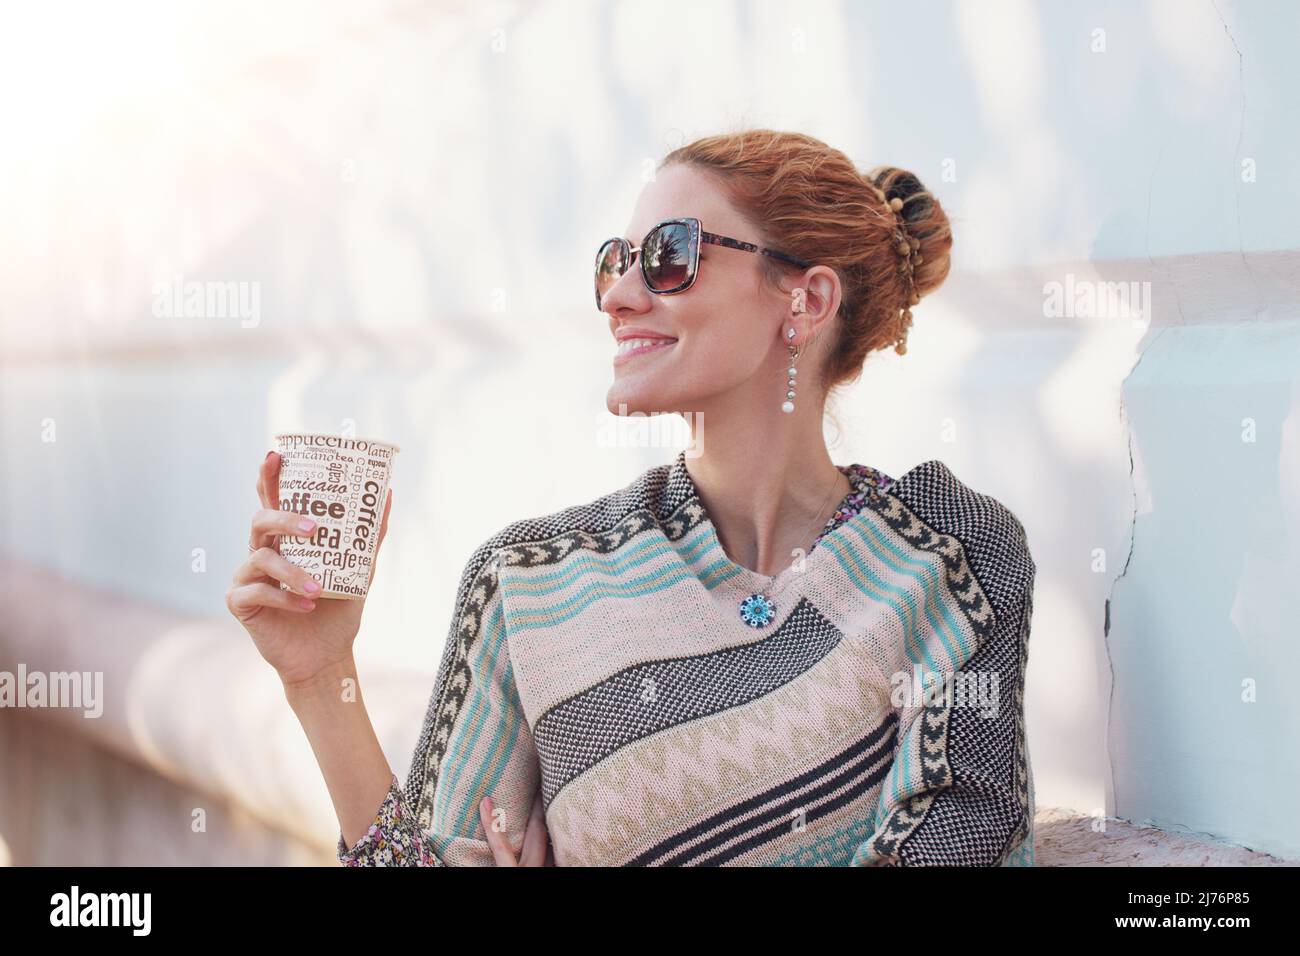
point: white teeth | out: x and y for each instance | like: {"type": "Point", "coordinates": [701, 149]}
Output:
{"type": "Point", "coordinates": [628, 344]}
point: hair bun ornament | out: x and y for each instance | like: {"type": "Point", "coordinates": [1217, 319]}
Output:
{"type": "Point", "coordinates": [908, 249]}
{"type": "Point", "coordinates": [897, 188]}
{"type": "Point", "coordinates": [905, 323]}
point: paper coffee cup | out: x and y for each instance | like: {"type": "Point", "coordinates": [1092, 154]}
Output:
{"type": "Point", "coordinates": [341, 484]}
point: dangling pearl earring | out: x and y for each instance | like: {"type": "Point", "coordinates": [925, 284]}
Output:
{"type": "Point", "coordinates": [797, 306]}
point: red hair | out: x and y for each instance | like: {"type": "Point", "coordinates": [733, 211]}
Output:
{"type": "Point", "coordinates": [810, 201]}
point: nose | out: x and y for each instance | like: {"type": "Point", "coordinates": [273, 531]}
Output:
{"type": "Point", "coordinates": [628, 295]}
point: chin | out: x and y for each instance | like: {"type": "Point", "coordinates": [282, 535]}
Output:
{"type": "Point", "coordinates": [643, 397]}
{"type": "Point", "coordinates": [622, 400]}
{"type": "Point", "coordinates": [652, 399]}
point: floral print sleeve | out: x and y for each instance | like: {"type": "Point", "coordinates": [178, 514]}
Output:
{"type": "Point", "coordinates": [394, 839]}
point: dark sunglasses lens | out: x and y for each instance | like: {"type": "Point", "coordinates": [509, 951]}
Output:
{"type": "Point", "coordinates": [609, 267]}
{"type": "Point", "coordinates": [666, 258]}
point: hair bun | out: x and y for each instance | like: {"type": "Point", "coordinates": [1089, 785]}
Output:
{"type": "Point", "coordinates": [921, 240]}
{"type": "Point", "coordinates": [902, 191]}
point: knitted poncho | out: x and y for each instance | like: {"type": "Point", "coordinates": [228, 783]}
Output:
{"type": "Point", "coordinates": [598, 654]}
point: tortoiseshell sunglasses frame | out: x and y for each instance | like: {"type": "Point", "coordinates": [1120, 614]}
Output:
{"type": "Point", "coordinates": [696, 234]}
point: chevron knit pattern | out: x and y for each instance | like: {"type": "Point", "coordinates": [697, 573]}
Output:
{"type": "Point", "coordinates": [597, 656]}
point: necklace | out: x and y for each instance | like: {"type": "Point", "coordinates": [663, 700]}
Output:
{"type": "Point", "coordinates": [759, 610]}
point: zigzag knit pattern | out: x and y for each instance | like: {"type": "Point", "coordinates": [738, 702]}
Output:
{"type": "Point", "coordinates": [597, 657]}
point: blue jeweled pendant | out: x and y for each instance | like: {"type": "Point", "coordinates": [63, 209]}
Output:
{"type": "Point", "coordinates": [757, 610]}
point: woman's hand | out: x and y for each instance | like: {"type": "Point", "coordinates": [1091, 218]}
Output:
{"type": "Point", "coordinates": [294, 632]}
{"type": "Point", "coordinates": [536, 850]}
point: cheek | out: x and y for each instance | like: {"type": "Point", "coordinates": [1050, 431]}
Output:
{"type": "Point", "coordinates": [726, 338]}
{"type": "Point", "coordinates": [730, 323]}
{"type": "Point", "coordinates": [725, 348]}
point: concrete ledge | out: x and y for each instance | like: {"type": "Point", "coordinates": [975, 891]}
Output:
{"type": "Point", "coordinates": [189, 699]}
{"type": "Point", "coordinates": [1066, 837]}
{"type": "Point", "coordinates": [64, 801]}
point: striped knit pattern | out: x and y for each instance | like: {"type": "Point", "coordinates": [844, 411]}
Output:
{"type": "Point", "coordinates": [598, 655]}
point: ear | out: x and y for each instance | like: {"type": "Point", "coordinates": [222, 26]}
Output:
{"type": "Point", "coordinates": [821, 292]}
{"type": "Point", "coordinates": [822, 295]}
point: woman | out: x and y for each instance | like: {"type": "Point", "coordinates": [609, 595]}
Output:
{"type": "Point", "coordinates": [651, 672]}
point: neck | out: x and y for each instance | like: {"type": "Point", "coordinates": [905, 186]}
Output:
{"type": "Point", "coordinates": [769, 485]}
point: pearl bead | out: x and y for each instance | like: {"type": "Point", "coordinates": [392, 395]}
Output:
{"type": "Point", "coordinates": [790, 394]}
{"type": "Point", "coordinates": [791, 383]}
{"type": "Point", "coordinates": [792, 370]}
{"type": "Point", "coordinates": [787, 407]}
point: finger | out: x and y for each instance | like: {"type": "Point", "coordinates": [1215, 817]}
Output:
{"type": "Point", "coordinates": [254, 539]}
{"type": "Point", "coordinates": [273, 463]}
{"type": "Point", "coordinates": [262, 471]}
{"type": "Point", "coordinates": [250, 573]}
{"type": "Point", "coordinates": [535, 837]}
{"type": "Point", "coordinates": [267, 527]}
{"type": "Point", "coordinates": [268, 524]}
{"type": "Point", "coordinates": [501, 851]}
{"type": "Point", "coordinates": [268, 493]}
{"type": "Point", "coordinates": [268, 563]}
{"type": "Point", "coordinates": [244, 600]}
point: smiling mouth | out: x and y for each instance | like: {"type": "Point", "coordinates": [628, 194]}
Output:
{"type": "Point", "coordinates": [630, 348]}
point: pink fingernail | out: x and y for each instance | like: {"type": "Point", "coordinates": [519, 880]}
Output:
{"type": "Point", "coordinates": [306, 524]}
{"type": "Point", "coordinates": [306, 605]}
{"type": "Point", "coordinates": [311, 587]}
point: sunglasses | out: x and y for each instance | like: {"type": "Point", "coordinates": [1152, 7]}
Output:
{"type": "Point", "coordinates": [670, 256]}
